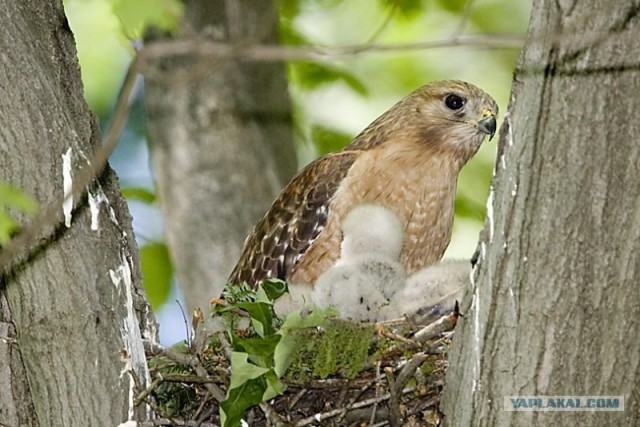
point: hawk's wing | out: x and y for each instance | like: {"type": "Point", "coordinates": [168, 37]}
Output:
{"type": "Point", "coordinates": [296, 218]}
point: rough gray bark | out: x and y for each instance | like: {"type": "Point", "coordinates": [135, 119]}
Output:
{"type": "Point", "coordinates": [73, 304]}
{"type": "Point", "coordinates": [555, 308]}
{"type": "Point", "coordinates": [221, 143]}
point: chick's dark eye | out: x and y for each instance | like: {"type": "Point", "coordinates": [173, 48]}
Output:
{"type": "Point", "coordinates": [454, 102]}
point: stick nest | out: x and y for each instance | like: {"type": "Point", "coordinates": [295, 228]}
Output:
{"type": "Point", "coordinates": [246, 366]}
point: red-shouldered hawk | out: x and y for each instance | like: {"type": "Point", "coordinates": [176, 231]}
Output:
{"type": "Point", "coordinates": [407, 160]}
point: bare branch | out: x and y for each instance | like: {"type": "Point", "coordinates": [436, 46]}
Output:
{"type": "Point", "coordinates": [227, 51]}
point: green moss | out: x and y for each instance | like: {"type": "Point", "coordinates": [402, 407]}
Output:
{"type": "Point", "coordinates": [429, 366]}
{"type": "Point", "coordinates": [301, 371]}
{"type": "Point", "coordinates": [341, 348]}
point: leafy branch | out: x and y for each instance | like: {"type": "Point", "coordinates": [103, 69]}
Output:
{"type": "Point", "coordinates": [263, 350]}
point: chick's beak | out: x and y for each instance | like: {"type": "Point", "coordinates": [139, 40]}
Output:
{"type": "Point", "coordinates": [488, 123]}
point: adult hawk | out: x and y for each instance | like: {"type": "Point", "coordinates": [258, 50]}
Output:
{"type": "Point", "coordinates": [407, 160]}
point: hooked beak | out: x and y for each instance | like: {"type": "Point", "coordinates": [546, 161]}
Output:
{"type": "Point", "coordinates": [488, 123]}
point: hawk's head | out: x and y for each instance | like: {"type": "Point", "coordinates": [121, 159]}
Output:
{"type": "Point", "coordinates": [449, 116]}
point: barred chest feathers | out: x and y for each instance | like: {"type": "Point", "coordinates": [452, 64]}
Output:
{"type": "Point", "coordinates": [418, 186]}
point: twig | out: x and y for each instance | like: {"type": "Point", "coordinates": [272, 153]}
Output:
{"type": "Point", "coordinates": [226, 345]}
{"type": "Point", "coordinates": [393, 322]}
{"type": "Point", "coordinates": [296, 398]}
{"type": "Point", "coordinates": [426, 404]}
{"type": "Point", "coordinates": [134, 377]}
{"type": "Point", "coordinates": [215, 391]}
{"type": "Point", "coordinates": [144, 394]}
{"type": "Point", "coordinates": [193, 379]}
{"type": "Point", "coordinates": [199, 415]}
{"type": "Point", "coordinates": [226, 51]}
{"type": "Point", "coordinates": [341, 396]}
{"type": "Point", "coordinates": [395, 418]}
{"type": "Point", "coordinates": [181, 358]}
{"type": "Point", "coordinates": [273, 418]}
{"type": "Point", "coordinates": [409, 369]}
{"type": "Point", "coordinates": [335, 412]}
{"type": "Point", "coordinates": [411, 343]}
{"type": "Point", "coordinates": [171, 422]}
{"type": "Point", "coordinates": [378, 388]}
{"type": "Point", "coordinates": [186, 324]}
{"type": "Point", "coordinates": [336, 383]}
{"type": "Point", "coordinates": [206, 415]}
{"type": "Point", "coordinates": [187, 359]}
{"type": "Point", "coordinates": [147, 391]}
{"type": "Point", "coordinates": [444, 324]}
{"type": "Point", "coordinates": [242, 51]}
{"type": "Point", "coordinates": [354, 399]}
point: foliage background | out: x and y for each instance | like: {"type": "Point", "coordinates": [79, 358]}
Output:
{"type": "Point", "coordinates": [332, 102]}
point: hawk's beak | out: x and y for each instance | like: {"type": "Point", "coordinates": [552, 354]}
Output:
{"type": "Point", "coordinates": [488, 123]}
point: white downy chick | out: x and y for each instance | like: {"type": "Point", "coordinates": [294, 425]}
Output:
{"type": "Point", "coordinates": [371, 229]}
{"type": "Point", "coordinates": [431, 292]}
{"type": "Point", "coordinates": [368, 273]}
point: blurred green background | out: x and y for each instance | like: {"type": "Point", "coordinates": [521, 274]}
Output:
{"type": "Point", "coordinates": [367, 84]}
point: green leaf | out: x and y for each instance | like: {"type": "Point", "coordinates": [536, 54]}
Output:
{"type": "Point", "coordinates": [289, 9]}
{"type": "Point", "coordinates": [247, 388]}
{"type": "Point", "coordinates": [290, 341]}
{"type": "Point", "coordinates": [136, 16]}
{"type": "Point", "coordinates": [290, 35]}
{"type": "Point", "coordinates": [261, 316]}
{"type": "Point", "coordinates": [242, 370]}
{"type": "Point", "coordinates": [466, 207]}
{"type": "Point", "coordinates": [274, 386]}
{"type": "Point", "coordinates": [274, 288]}
{"type": "Point", "coordinates": [312, 75]}
{"type": "Point", "coordinates": [13, 197]}
{"type": "Point", "coordinates": [250, 385]}
{"type": "Point", "coordinates": [261, 295]}
{"type": "Point", "coordinates": [260, 350]}
{"type": "Point", "coordinates": [328, 140]}
{"type": "Point", "coordinates": [408, 8]}
{"type": "Point", "coordinates": [139, 194]}
{"type": "Point", "coordinates": [157, 272]}
{"type": "Point", "coordinates": [239, 400]}
{"type": "Point", "coordinates": [456, 6]}
{"type": "Point", "coordinates": [7, 226]}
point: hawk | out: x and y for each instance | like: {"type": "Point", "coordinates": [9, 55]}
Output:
{"type": "Point", "coordinates": [407, 160]}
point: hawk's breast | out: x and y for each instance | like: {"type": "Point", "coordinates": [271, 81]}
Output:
{"type": "Point", "coordinates": [417, 186]}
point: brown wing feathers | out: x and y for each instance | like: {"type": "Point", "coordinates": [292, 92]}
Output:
{"type": "Point", "coordinates": [292, 223]}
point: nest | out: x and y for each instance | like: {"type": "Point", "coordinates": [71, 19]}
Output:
{"type": "Point", "coordinates": [247, 366]}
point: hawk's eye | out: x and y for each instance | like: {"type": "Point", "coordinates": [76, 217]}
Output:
{"type": "Point", "coordinates": [454, 102]}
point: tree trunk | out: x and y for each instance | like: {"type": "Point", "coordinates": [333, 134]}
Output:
{"type": "Point", "coordinates": [72, 308]}
{"type": "Point", "coordinates": [221, 143]}
{"type": "Point", "coordinates": [554, 307]}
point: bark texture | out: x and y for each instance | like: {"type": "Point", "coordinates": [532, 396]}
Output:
{"type": "Point", "coordinates": [555, 308]}
{"type": "Point", "coordinates": [221, 142]}
{"type": "Point", "coordinates": [73, 305]}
